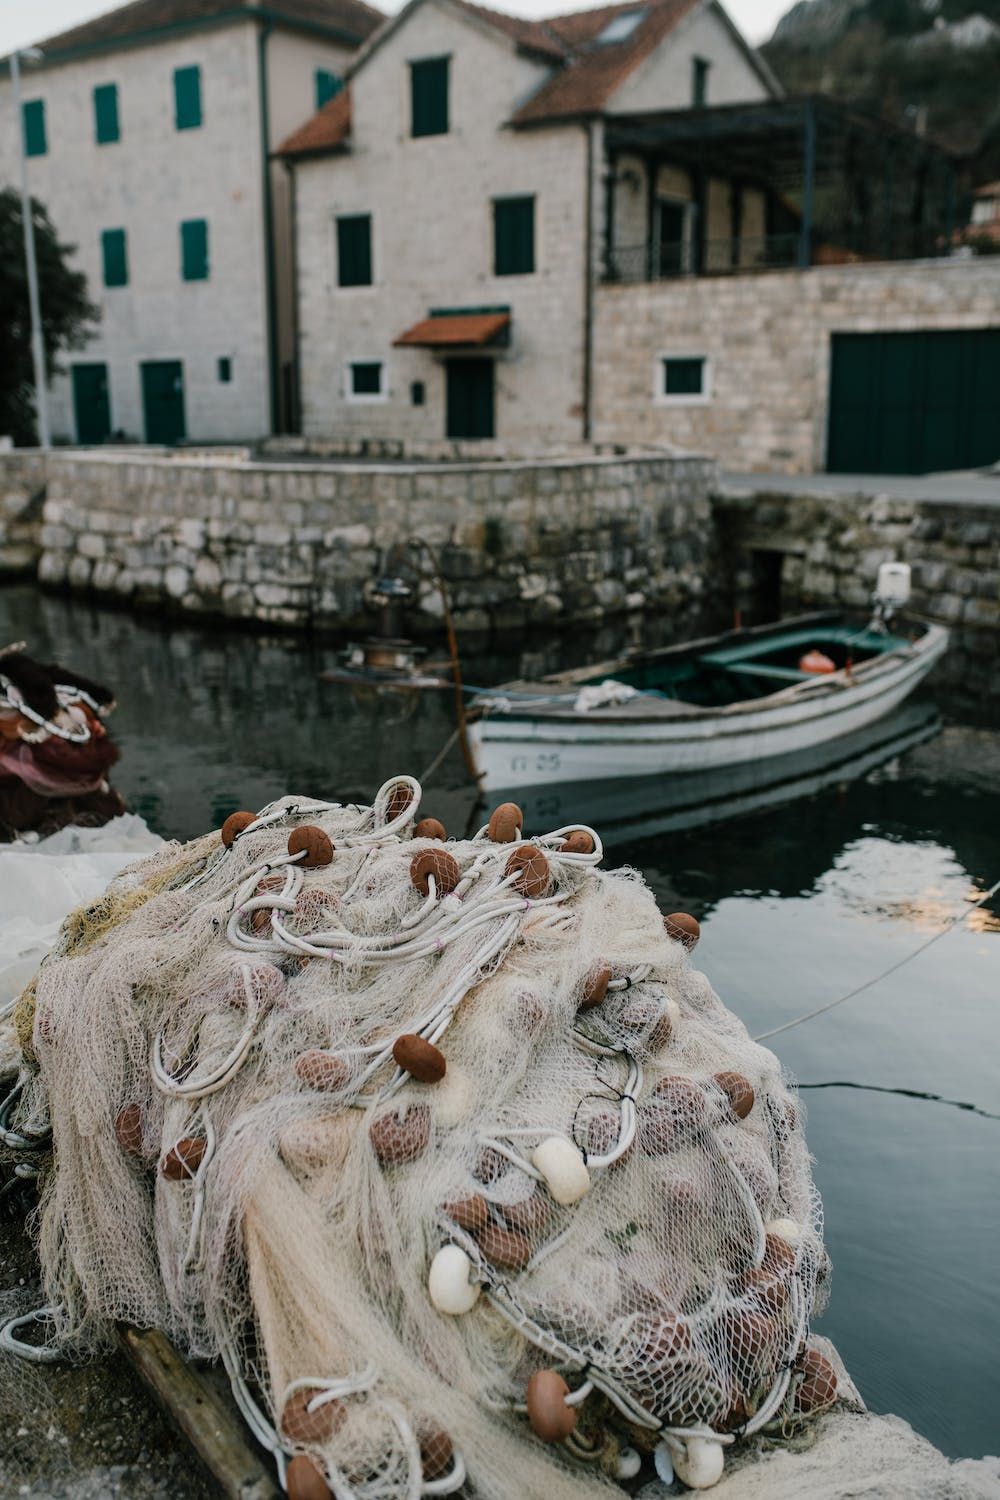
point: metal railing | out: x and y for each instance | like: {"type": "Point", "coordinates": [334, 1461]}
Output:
{"type": "Point", "coordinates": [743, 254]}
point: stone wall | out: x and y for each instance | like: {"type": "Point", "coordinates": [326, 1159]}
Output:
{"type": "Point", "coordinates": [824, 551]}
{"type": "Point", "coordinates": [22, 493]}
{"type": "Point", "coordinates": [297, 544]}
{"type": "Point", "coordinates": [767, 342]}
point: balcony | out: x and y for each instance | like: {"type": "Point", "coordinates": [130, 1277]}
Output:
{"type": "Point", "coordinates": [771, 186]}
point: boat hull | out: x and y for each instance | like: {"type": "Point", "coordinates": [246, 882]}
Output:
{"type": "Point", "coordinates": [514, 751]}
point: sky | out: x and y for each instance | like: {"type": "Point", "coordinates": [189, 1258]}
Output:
{"type": "Point", "coordinates": [25, 21]}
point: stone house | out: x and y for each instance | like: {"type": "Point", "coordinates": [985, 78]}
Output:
{"type": "Point", "coordinates": [453, 206]}
{"type": "Point", "coordinates": [148, 133]}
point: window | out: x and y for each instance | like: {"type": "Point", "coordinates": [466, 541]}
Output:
{"type": "Point", "coordinates": [115, 257]}
{"type": "Point", "coordinates": [33, 123]}
{"type": "Point", "coordinates": [513, 236]}
{"type": "Point", "coordinates": [106, 113]}
{"type": "Point", "coordinates": [621, 28]}
{"type": "Point", "coordinates": [429, 96]}
{"type": "Point", "coordinates": [354, 250]}
{"type": "Point", "coordinates": [699, 81]}
{"type": "Point", "coordinates": [683, 378]}
{"type": "Point", "coordinates": [328, 85]}
{"type": "Point", "coordinates": [365, 381]}
{"type": "Point", "coordinates": [417, 393]}
{"type": "Point", "coordinates": [225, 370]}
{"type": "Point", "coordinates": [187, 97]}
{"type": "Point", "coordinates": [194, 250]}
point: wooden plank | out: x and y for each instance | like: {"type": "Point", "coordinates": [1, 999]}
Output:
{"type": "Point", "coordinates": [214, 1429]}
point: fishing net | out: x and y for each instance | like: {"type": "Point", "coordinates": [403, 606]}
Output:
{"type": "Point", "coordinates": [444, 1148]}
{"type": "Point", "coordinates": [54, 749]}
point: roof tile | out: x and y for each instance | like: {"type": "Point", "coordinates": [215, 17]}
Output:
{"type": "Point", "coordinates": [324, 132]}
{"type": "Point", "coordinates": [352, 18]}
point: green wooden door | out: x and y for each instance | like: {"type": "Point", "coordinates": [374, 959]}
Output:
{"type": "Point", "coordinates": [91, 405]}
{"type": "Point", "coordinates": [470, 398]}
{"type": "Point", "coordinates": [913, 403]}
{"type": "Point", "coordinates": [163, 400]}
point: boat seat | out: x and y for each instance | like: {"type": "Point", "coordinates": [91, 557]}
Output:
{"type": "Point", "coordinates": [763, 669]}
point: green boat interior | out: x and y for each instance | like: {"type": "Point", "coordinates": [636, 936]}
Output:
{"type": "Point", "coordinates": [730, 673]}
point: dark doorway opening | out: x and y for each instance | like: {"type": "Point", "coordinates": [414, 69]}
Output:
{"type": "Point", "coordinates": [91, 403]}
{"type": "Point", "coordinates": [163, 401]}
{"type": "Point", "coordinates": [469, 398]}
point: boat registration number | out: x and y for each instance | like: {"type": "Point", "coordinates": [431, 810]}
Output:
{"type": "Point", "coordinates": [546, 761]}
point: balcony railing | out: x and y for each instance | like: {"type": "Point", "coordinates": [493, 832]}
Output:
{"type": "Point", "coordinates": [748, 253]}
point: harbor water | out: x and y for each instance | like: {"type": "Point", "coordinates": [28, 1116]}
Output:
{"type": "Point", "coordinates": [805, 892]}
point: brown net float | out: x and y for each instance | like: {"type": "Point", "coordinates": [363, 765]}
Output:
{"type": "Point", "coordinates": [534, 878]}
{"type": "Point", "coordinates": [236, 824]}
{"type": "Point", "coordinates": [421, 1059]}
{"type": "Point", "coordinates": [683, 928]}
{"type": "Point", "coordinates": [422, 1165]}
{"type": "Point", "coordinates": [439, 864]}
{"type": "Point", "coordinates": [314, 843]}
{"type": "Point", "coordinates": [429, 828]}
{"type": "Point", "coordinates": [578, 842]}
{"type": "Point", "coordinates": [183, 1160]}
{"type": "Point", "coordinates": [506, 822]}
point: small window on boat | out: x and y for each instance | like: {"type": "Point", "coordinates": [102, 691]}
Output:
{"type": "Point", "coordinates": [683, 378]}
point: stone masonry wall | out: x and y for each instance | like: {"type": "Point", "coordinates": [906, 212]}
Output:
{"type": "Point", "coordinates": [830, 549]}
{"type": "Point", "coordinates": [766, 339]}
{"type": "Point", "coordinates": [297, 545]}
{"type": "Point", "coordinates": [22, 492]}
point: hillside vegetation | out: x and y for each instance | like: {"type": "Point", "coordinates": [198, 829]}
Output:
{"type": "Point", "coordinates": [931, 64]}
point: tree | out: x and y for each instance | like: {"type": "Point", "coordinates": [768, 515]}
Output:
{"type": "Point", "coordinates": [68, 315]}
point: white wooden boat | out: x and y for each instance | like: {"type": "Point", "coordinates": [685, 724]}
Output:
{"type": "Point", "coordinates": [744, 696]}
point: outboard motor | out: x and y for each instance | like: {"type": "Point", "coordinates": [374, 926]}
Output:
{"type": "Point", "coordinates": [892, 592]}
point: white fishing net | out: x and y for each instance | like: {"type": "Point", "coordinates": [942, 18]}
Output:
{"type": "Point", "coordinates": [578, 1222]}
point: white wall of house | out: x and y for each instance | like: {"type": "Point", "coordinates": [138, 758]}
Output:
{"type": "Point", "coordinates": [147, 182]}
{"type": "Point", "coordinates": [664, 79]}
{"type": "Point", "coordinates": [432, 241]}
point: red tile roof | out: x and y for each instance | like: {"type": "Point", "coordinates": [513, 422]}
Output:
{"type": "Point", "coordinates": [531, 36]}
{"type": "Point", "coordinates": [586, 72]}
{"type": "Point", "coordinates": [471, 330]}
{"type": "Point", "coordinates": [352, 19]}
{"type": "Point", "coordinates": [595, 70]}
{"type": "Point", "coordinates": [325, 132]}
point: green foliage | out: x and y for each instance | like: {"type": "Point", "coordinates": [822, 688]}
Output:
{"type": "Point", "coordinates": [68, 315]}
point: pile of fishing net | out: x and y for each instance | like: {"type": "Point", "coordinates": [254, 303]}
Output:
{"type": "Point", "coordinates": [443, 1147]}
{"type": "Point", "coordinates": [55, 753]}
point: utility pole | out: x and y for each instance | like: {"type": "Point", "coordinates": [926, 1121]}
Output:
{"type": "Point", "coordinates": [37, 343]}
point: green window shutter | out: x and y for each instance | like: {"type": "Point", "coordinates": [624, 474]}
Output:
{"type": "Point", "coordinates": [683, 377]}
{"type": "Point", "coordinates": [106, 113]}
{"type": "Point", "coordinates": [513, 236]}
{"type": "Point", "coordinates": [33, 122]}
{"type": "Point", "coordinates": [194, 250]}
{"type": "Point", "coordinates": [115, 257]}
{"type": "Point", "coordinates": [354, 250]}
{"type": "Point", "coordinates": [187, 97]}
{"type": "Point", "coordinates": [429, 96]}
{"type": "Point", "coordinates": [328, 86]}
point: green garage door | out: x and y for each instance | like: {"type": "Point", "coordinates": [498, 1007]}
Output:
{"type": "Point", "coordinates": [912, 403]}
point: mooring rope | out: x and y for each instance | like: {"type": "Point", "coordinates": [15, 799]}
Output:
{"type": "Point", "coordinates": [810, 1015]}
